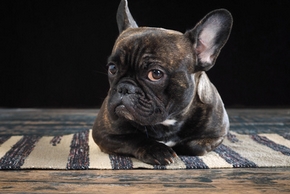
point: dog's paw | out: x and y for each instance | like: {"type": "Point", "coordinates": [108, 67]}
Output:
{"type": "Point", "coordinates": [156, 154]}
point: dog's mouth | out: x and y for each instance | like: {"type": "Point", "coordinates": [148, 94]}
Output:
{"type": "Point", "coordinates": [129, 102]}
{"type": "Point", "coordinates": [133, 110]}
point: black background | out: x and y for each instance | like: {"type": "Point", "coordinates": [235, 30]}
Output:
{"type": "Point", "coordinates": [54, 52]}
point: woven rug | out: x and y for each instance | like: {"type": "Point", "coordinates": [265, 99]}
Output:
{"type": "Point", "coordinates": [78, 151]}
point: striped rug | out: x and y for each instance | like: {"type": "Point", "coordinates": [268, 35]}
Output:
{"type": "Point", "coordinates": [78, 151]}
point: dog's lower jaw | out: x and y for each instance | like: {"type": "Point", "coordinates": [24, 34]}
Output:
{"type": "Point", "coordinates": [122, 111]}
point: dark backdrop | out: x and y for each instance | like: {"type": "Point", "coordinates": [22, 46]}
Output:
{"type": "Point", "coordinates": [54, 52]}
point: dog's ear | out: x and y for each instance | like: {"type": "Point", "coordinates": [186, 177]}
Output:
{"type": "Point", "coordinates": [124, 17]}
{"type": "Point", "coordinates": [209, 36]}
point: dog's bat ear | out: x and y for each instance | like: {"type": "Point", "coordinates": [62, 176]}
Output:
{"type": "Point", "coordinates": [124, 17]}
{"type": "Point", "coordinates": [209, 36]}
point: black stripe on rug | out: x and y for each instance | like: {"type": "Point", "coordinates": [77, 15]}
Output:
{"type": "Point", "coordinates": [232, 138]}
{"type": "Point", "coordinates": [4, 138]}
{"type": "Point", "coordinates": [55, 140]}
{"type": "Point", "coordinates": [159, 167]}
{"type": "Point", "coordinates": [78, 158]}
{"type": "Point", "coordinates": [234, 158]}
{"type": "Point", "coordinates": [193, 162]}
{"type": "Point", "coordinates": [286, 136]}
{"type": "Point", "coordinates": [277, 147]}
{"type": "Point", "coordinates": [121, 162]}
{"type": "Point", "coordinates": [15, 157]}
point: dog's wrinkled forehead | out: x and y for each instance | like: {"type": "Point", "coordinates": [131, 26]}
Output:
{"type": "Point", "coordinates": [167, 45]}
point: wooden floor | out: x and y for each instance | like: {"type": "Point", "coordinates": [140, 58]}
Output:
{"type": "Point", "coordinates": [60, 122]}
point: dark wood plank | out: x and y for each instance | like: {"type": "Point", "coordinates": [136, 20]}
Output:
{"type": "Point", "coordinates": [147, 181]}
{"type": "Point", "coordinates": [252, 121]}
{"type": "Point", "coordinates": [45, 121]}
{"type": "Point", "coordinates": [65, 121]}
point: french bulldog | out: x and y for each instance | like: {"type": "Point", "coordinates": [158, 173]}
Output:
{"type": "Point", "coordinates": [161, 103]}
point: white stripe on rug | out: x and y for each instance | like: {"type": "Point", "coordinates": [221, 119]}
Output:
{"type": "Point", "coordinates": [47, 156]}
{"type": "Point", "coordinates": [262, 155]}
{"type": "Point", "coordinates": [178, 164]}
{"type": "Point", "coordinates": [98, 159]}
{"type": "Point", "coordinates": [7, 145]}
{"type": "Point", "coordinates": [213, 160]}
{"type": "Point", "coordinates": [277, 139]}
{"type": "Point", "coordinates": [139, 164]}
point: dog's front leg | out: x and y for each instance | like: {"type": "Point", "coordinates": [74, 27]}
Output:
{"type": "Point", "coordinates": [137, 145]}
{"type": "Point", "coordinates": [198, 147]}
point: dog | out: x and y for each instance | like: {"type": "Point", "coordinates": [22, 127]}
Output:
{"type": "Point", "coordinates": [161, 103]}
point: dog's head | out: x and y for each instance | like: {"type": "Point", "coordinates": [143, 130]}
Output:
{"type": "Point", "coordinates": [150, 69]}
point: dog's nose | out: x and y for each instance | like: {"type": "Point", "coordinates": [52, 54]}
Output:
{"type": "Point", "coordinates": [123, 91]}
{"type": "Point", "coordinates": [126, 89]}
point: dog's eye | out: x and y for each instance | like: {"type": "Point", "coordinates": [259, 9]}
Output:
{"type": "Point", "coordinates": [155, 75]}
{"type": "Point", "coordinates": [112, 68]}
